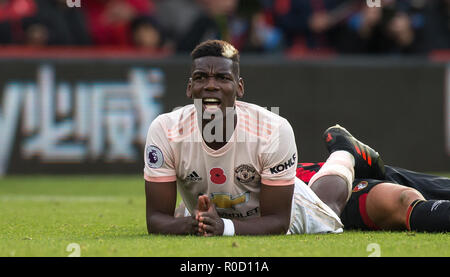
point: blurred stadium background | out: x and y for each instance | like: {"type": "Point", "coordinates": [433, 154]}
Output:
{"type": "Point", "coordinates": [79, 86]}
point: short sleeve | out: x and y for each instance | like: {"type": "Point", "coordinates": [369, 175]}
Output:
{"type": "Point", "coordinates": [158, 155]}
{"type": "Point", "coordinates": [279, 159]}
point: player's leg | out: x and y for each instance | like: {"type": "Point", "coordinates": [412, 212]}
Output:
{"type": "Point", "coordinates": [423, 214]}
{"type": "Point", "coordinates": [348, 157]}
{"type": "Point", "coordinates": [390, 206]}
{"type": "Point", "coordinates": [387, 205]}
{"type": "Point", "coordinates": [309, 214]}
{"type": "Point", "coordinates": [430, 186]}
{"type": "Point", "coordinates": [377, 205]}
{"type": "Point", "coordinates": [331, 183]}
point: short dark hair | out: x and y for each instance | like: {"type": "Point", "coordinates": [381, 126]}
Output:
{"type": "Point", "coordinates": [217, 48]}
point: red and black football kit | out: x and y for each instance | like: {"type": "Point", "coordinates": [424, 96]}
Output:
{"type": "Point", "coordinates": [354, 215]}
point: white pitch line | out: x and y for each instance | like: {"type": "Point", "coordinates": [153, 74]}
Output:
{"type": "Point", "coordinates": [61, 198]}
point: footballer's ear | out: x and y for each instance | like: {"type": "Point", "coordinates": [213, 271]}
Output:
{"type": "Point", "coordinates": [188, 89]}
{"type": "Point", "coordinates": [240, 91]}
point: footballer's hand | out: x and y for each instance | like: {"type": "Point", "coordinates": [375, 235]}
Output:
{"type": "Point", "coordinates": [203, 205]}
{"type": "Point", "coordinates": [193, 224]}
{"type": "Point", "coordinates": [210, 222]}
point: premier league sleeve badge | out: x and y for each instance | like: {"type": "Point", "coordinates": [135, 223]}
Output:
{"type": "Point", "coordinates": [154, 156]}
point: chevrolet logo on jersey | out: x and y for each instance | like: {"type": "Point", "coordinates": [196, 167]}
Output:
{"type": "Point", "coordinates": [283, 166]}
{"type": "Point", "coordinates": [225, 200]}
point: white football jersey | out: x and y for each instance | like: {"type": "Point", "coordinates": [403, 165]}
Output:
{"type": "Point", "coordinates": [261, 150]}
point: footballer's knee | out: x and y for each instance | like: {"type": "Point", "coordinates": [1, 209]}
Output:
{"type": "Point", "coordinates": [333, 191]}
{"type": "Point", "coordinates": [407, 196]}
{"type": "Point", "coordinates": [387, 205]}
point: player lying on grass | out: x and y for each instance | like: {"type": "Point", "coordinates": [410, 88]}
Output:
{"type": "Point", "coordinates": [382, 197]}
{"type": "Point", "coordinates": [253, 181]}
{"type": "Point", "coordinates": [232, 161]}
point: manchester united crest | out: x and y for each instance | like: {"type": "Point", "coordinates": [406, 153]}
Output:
{"type": "Point", "coordinates": [245, 174]}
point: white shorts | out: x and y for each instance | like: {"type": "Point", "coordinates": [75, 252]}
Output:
{"type": "Point", "coordinates": [309, 215]}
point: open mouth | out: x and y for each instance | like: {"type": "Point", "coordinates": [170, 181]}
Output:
{"type": "Point", "coordinates": [211, 102]}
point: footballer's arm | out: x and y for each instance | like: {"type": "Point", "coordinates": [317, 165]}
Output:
{"type": "Point", "coordinates": [275, 205]}
{"type": "Point", "coordinates": [161, 199]}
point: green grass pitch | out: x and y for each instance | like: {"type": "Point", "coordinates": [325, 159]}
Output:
{"type": "Point", "coordinates": [105, 216]}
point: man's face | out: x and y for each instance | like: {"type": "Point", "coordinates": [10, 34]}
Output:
{"type": "Point", "coordinates": [215, 83]}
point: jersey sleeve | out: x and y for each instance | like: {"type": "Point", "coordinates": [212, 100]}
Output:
{"type": "Point", "coordinates": [280, 157]}
{"type": "Point", "coordinates": [158, 155]}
